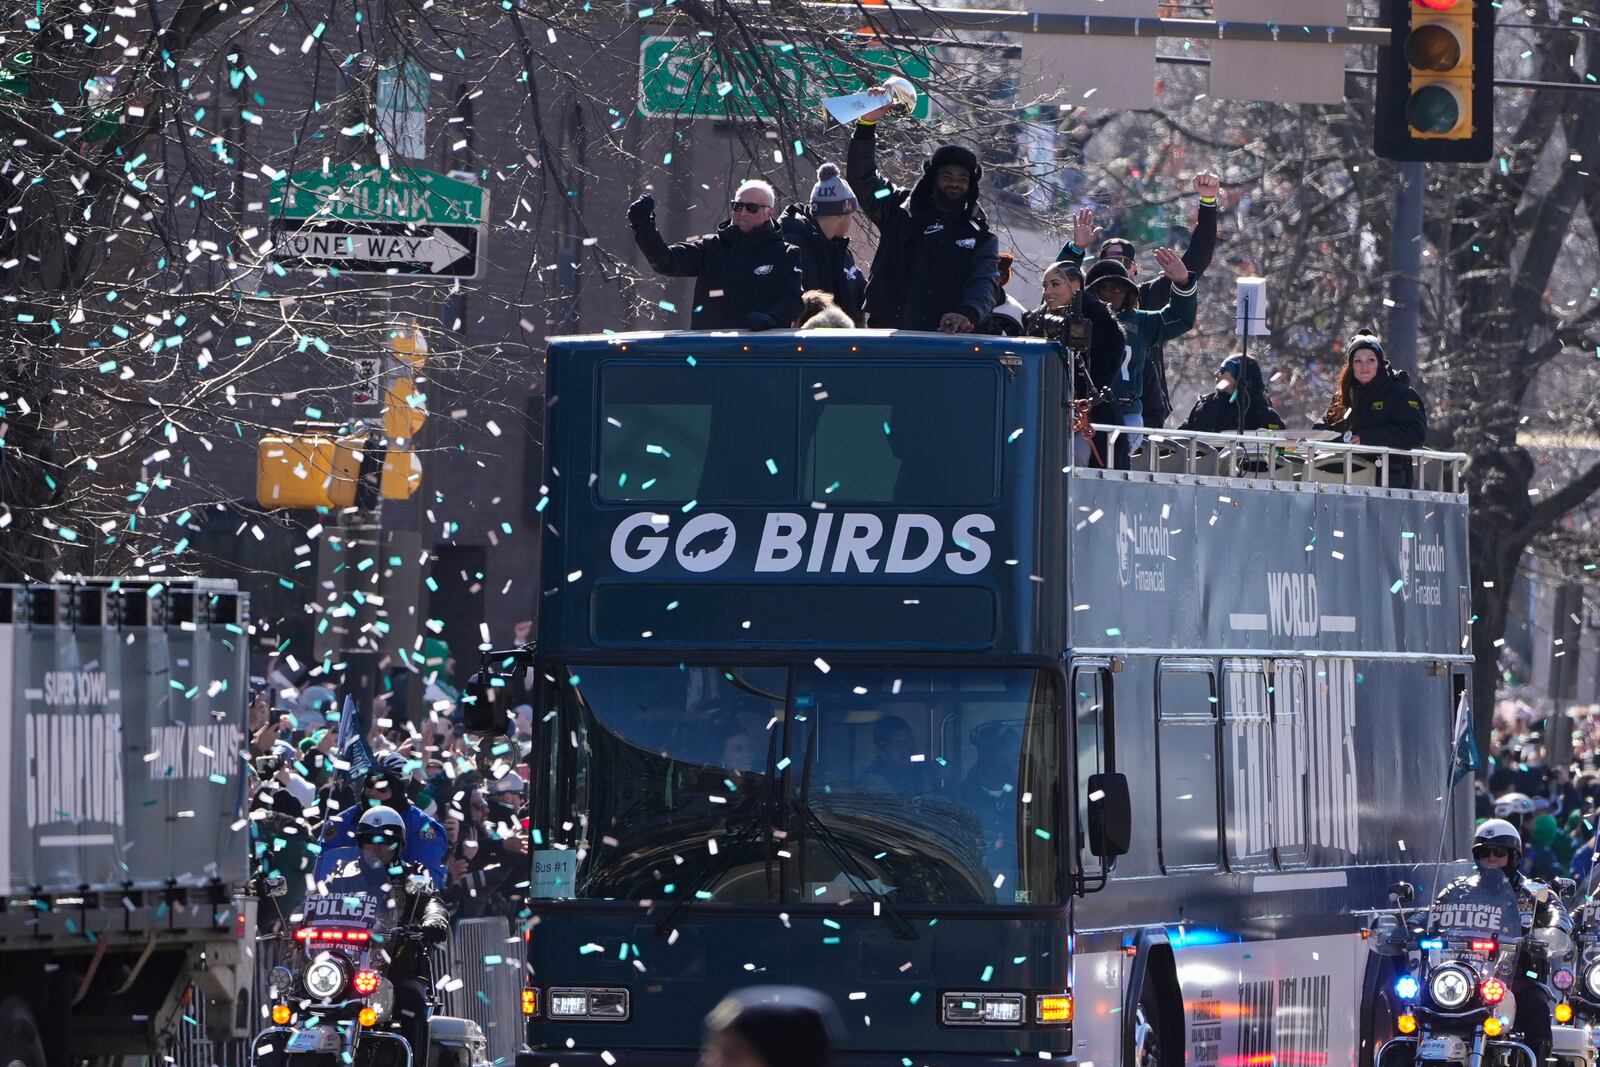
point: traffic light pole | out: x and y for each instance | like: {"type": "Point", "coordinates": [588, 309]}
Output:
{"type": "Point", "coordinates": [1405, 269]}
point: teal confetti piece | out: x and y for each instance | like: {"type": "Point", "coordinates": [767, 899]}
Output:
{"type": "Point", "coordinates": [772, 468]}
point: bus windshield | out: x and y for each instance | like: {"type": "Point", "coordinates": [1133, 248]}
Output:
{"type": "Point", "coordinates": [793, 785]}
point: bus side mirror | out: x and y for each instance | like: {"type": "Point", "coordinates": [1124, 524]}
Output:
{"type": "Point", "coordinates": [1110, 816]}
{"type": "Point", "coordinates": [1402, 893]}
{"type": "Point", "coordinates": [481, 712]}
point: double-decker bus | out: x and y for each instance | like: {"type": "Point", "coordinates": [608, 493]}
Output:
{"type": "Point", "coordinates": [848, 677]}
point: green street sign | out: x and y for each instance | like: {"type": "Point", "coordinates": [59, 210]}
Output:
{"type": "Point", "coordinates": [354, 193]}
{"type": "Point", "coordinates": [357, 219]}
{"type": "Point", "coordinates": [679, 78]}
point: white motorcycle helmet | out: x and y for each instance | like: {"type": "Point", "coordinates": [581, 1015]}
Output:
{"type": "Point", "coordinates": [1513, 805]}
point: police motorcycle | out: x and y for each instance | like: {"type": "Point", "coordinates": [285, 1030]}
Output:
{"type": "Point", "coordinates": [332, 1001]}
{"type": "Point", "coordinates": [1455, 975]}
{"type": "Point", "coordinates": [1577, 977]}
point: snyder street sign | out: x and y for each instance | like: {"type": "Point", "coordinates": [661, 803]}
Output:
{"type": "Point", "coordinates": [679, 77]}
{"type": "Point", "coordinates": [366, 220]}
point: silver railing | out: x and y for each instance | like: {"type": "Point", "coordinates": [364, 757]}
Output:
{"type": "Point", "coordinates": [1294, 456]}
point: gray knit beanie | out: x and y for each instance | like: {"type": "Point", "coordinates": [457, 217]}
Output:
{"type": "Point", "coordinates": [832, 195]}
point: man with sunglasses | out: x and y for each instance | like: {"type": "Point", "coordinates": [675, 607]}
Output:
{"type": "Point", "coordinates": [746, 276]}
{"type": "Point", "coordinates": [1545, 921]}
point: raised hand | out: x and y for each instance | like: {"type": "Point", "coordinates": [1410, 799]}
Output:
{"type": "Point", "coordinates": [1085, 234]}
{"type": "Point", "coordinates": [1171, 265]}
{"type": "Point", "coordinates": [1207, 184]}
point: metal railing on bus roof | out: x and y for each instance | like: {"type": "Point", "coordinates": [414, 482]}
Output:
{"type": "Point", "coordinates": [1294, 456]}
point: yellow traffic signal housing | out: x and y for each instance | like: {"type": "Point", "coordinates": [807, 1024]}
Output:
{"type": "Point", "coordinates": [410, 345]}
{"type": "Point", "coordinates": [1435, 100]}
{"type": "Point", "coordinates": [307, 471]}
{"type": "Point", "coordinates": [1438, 53]}
{"type": "Point", "coordinates": [404, 411]}
{"type": "Point", "coordinates": [402, 473]}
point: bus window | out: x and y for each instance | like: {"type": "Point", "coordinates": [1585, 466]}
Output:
{"type": "Point", "coordinates": [1091, 691]}
{"type": "Point", "coordinates": [1186, 768]}
{"type": "Point", "coordinates": [941, 786]}
{"type": "Point", "coordinates": [710, 432]}
{"type": "Point", "coordinates": [1289, 761]}
{"type": "Point", "coordinates": [1248, 769]}
{"type": "Point", "coordinates": [901, 433]}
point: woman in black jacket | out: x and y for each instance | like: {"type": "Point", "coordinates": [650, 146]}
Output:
{"type": "Point", "coordinates": [1221, 411]}
{"type": "Point", "coordinates": [1064, 300]}
{"type": "Point", "coordinates": [1374, 404]}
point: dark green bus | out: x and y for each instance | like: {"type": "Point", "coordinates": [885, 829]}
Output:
{"type": "Point", "coordinates": [845, 672]}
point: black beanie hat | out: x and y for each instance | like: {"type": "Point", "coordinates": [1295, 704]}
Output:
{"type": "Point", "coordinates": [1111, 270]}
{"type": "Point", "coordinates": [959, 155]}
{"type": "Point", "coordinates": [790, 1026]}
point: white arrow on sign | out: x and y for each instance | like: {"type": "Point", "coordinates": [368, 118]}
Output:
{"type": "Point", "coordinates": [437, 250]}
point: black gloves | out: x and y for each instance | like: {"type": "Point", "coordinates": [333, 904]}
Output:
{"type": "Point", "coordinates": [642, 212]}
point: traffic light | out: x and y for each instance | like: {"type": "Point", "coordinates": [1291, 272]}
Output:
{"type": "Point", "coordinates": [1436, 82]}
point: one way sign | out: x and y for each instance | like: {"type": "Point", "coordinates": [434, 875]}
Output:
{"type": "Point", "coordinates": [365, 220]}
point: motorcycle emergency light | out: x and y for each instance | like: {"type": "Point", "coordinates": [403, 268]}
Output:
{"type": "Point", "coordinates": [1562, 979]}
{"type": "Point", "coordinates": [281, 1014]}
{"type": "Point", "coordinates": [1493, 1026]}
{"type": "Point", "coordinates": [1407, 987]}
{"type": "Point", "coordinates": [1485, 945]}
{"type": "Point", "coordinates": [367, 1017]}
{"type": "Point", "coordinates": [312, 935]}
{"type": "Point", "coordinates": [1493, 990]}
{"type": "Point", "coordinates": [1563, 1012]}
{"type": "Point", "coordinates": [1406, 1024]}
{"type": "Point", "coordinates": [366, 982]}
{"type": "Point", "coordinates": [1431, 943]}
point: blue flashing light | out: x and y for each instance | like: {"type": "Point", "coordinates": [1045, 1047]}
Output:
{"type": "Point", "coordinates": [1407, 987]}
{"type": "Point", "coordinates": [1432, 942]}
{"type": "Point", "coordinates": [1198, 937]}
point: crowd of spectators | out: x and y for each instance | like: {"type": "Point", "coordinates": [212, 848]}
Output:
{"type": "Point", "coordinates": [939, 266]}
{"type": "Point", "coordinates": [1552, 802]}
{"type": "Point", "coordinates": [464, 801]}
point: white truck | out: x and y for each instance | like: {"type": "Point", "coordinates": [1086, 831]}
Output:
{"type": "Point", "coordinates": [123, 842]}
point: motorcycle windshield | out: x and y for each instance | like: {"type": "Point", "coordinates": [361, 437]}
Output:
{"type": "Point", "coordinates": [1481, 906]}
{"type": "Point", "coordinates": [352, 897]}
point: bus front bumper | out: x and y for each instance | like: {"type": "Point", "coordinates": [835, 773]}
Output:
{"type": "Point", "coordinates": [650, 1057]}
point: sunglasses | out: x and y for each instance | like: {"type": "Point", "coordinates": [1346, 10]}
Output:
{"type": "Point", "coordinates": [1496, 853]}
{"type": "Point", "coordinates": [741, 205]}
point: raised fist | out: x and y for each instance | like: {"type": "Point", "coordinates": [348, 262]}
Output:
{"type": "Point", "coordinates": [642, 210]}
{"type": "Point", "coordinates": [1207, 184]}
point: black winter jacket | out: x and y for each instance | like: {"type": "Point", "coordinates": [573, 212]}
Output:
{"type": "Point", "coordinates": [1388, 413]}
{"type": "Point", "coordinates": [825, 263]}
{"type": "Point", "coordinates": [1157, 293]}
{"type": "Point", "coordinates": [1217, 413]}
{"type": "Point", "coordinates": [928, 263]}
{"type": "Point", "coordinates": [742, 281]}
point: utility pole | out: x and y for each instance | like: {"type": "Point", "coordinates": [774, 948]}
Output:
{"type": "Point", "coordinates": [1405, 269]}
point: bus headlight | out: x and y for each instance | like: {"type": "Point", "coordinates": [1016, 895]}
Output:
{"type": "Point", "coordinates": [1450, 987]}
{"type": "Point", "coordinates": [325, 977]}
{"type": "Point", "coordinates": [607, 1004]}
{"type": "Point", "coordinates": [983, 1009]}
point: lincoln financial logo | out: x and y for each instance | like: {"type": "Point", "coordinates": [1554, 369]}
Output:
{"type": "Point", "coordinates": [859, 542]}
{"type": "Point", "coordinates": [1143, 549]}
{"type": "Point", "coordinates": [1422, 569]}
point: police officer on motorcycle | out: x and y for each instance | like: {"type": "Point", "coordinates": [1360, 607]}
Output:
{"type": "Point", "coordinates": [1545, 923]}
{"type": "Point", "coordinates": [385, 785]}
{"type": "Point", "coordinates": [380, 868]}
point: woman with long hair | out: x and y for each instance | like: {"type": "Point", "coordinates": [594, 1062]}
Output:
{"type": "Point", "coordinates": [1374, 404]}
